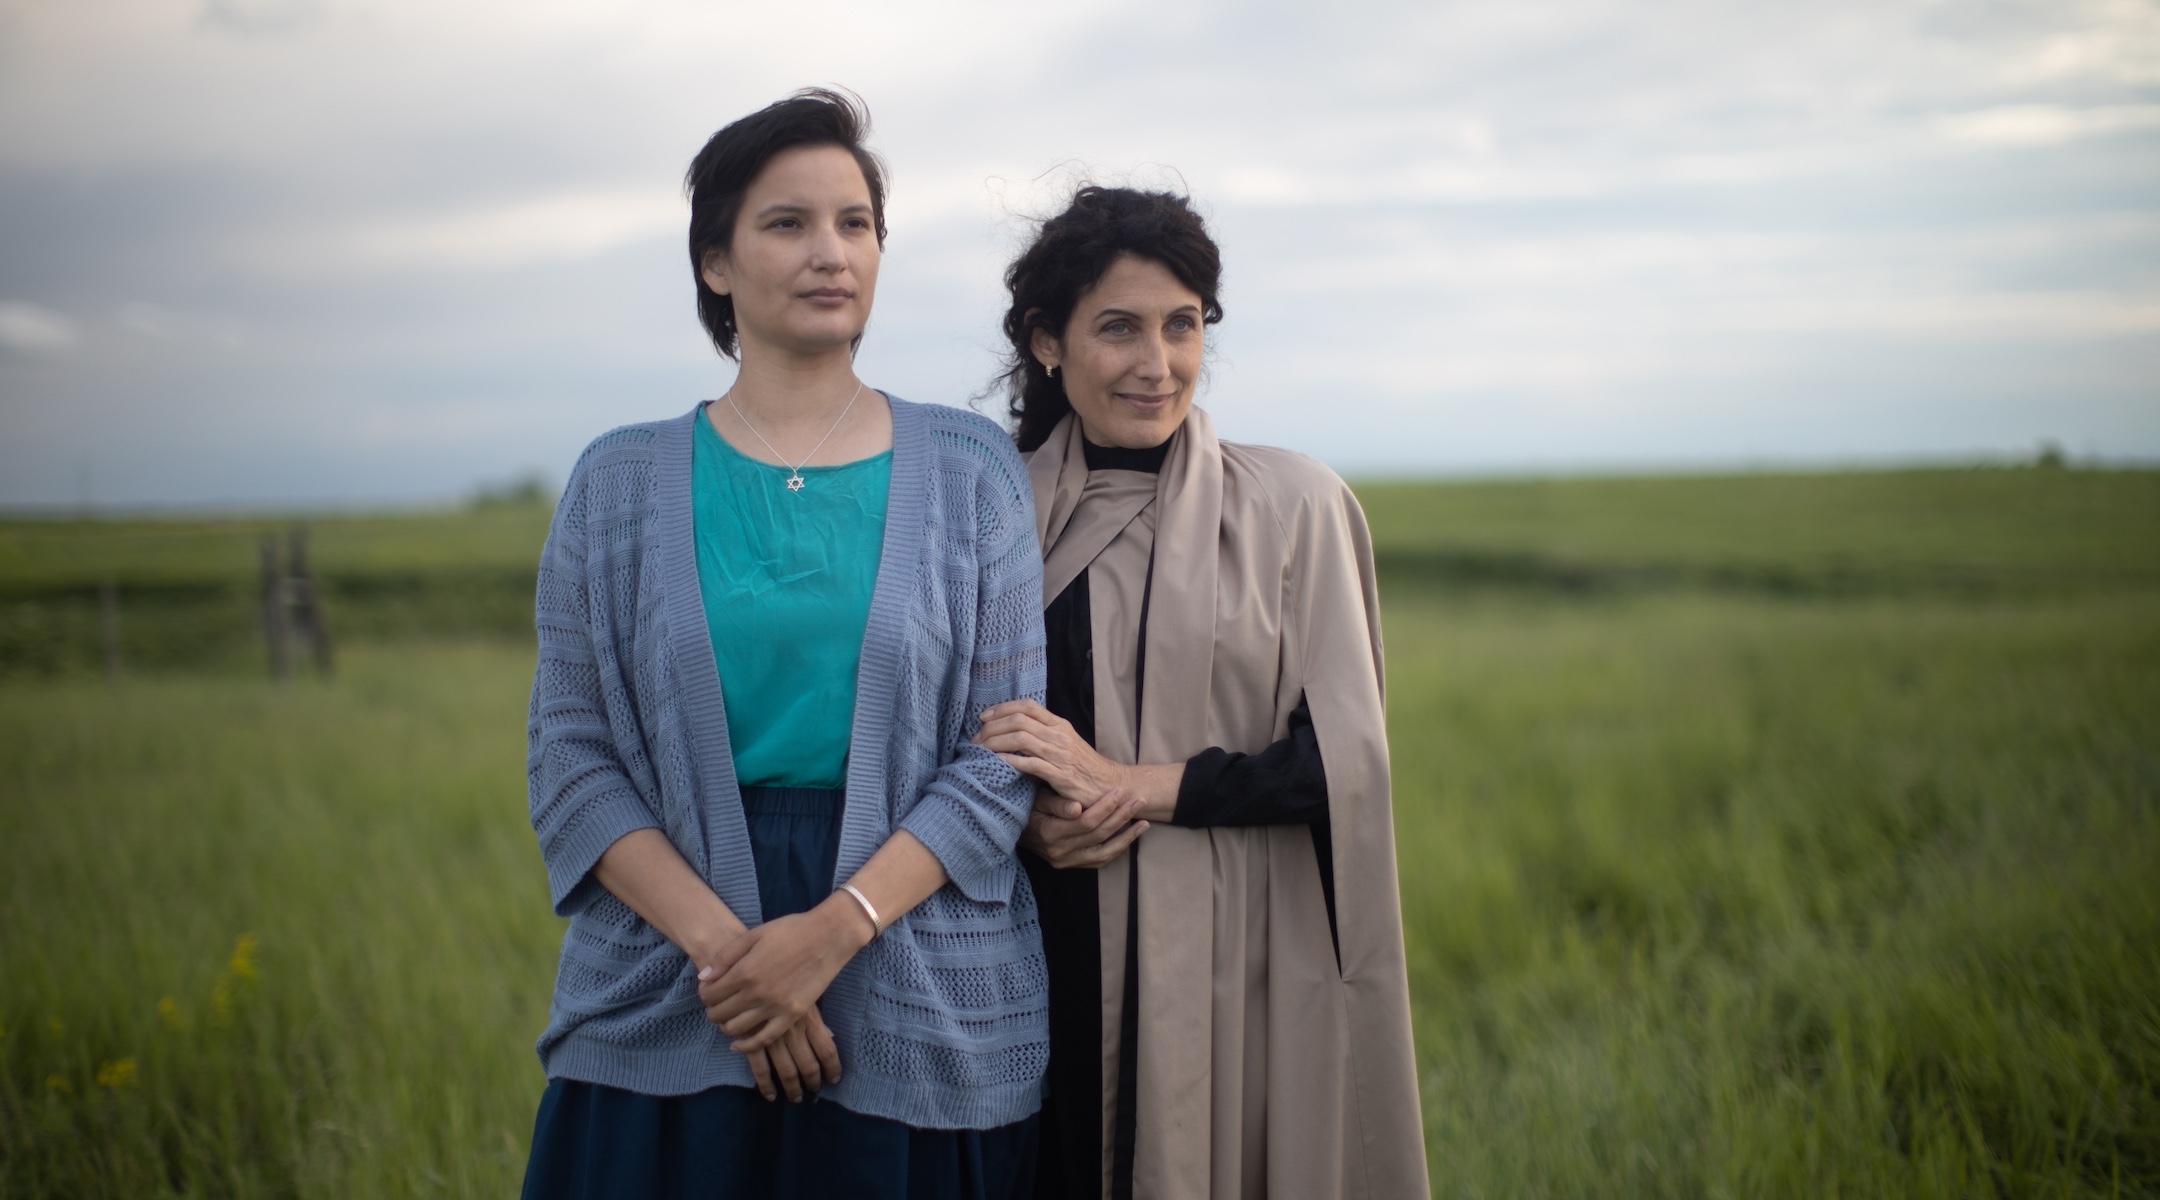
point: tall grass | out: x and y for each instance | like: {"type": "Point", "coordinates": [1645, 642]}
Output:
{"type": "Point", "coordinates": [1731, 898]}
{"type": "Point", "coordinates": [1995, 530]}
{"type": "Point", "coordinates": [311, 919]}
{"type": "Point", "coordinates": [1712, 889]}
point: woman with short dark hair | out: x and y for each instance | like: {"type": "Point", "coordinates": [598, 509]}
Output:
{"type": "Point", "coordinates": [767, 630]}
{"type": "Point", "coordinates": [1214, 852]}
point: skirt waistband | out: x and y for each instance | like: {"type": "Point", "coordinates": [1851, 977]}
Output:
{"type": "Point", "coordinates": [794, 801]}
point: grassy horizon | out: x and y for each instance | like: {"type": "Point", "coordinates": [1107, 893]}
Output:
{"type": "Point", "coordinates": [1812, 863]}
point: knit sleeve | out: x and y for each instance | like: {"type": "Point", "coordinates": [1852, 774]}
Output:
{"type": "Point", "coordinates": [581, 799]}
{"type": "Point", "coordinates": [972, 810]}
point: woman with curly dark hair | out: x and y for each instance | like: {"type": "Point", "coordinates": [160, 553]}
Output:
{"type": "Point", "coordinates": [1213, 848]}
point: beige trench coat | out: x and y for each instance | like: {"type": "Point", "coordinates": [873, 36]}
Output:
{"type": "Point", "coordinates": [1263, 1069]}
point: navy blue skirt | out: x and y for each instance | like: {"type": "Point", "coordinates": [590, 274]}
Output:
{"type": "Point", "coordinates": [591, 1141]}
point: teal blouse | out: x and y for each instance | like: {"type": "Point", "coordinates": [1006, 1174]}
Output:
{"type": "Point", "coordinates": [786, 579]}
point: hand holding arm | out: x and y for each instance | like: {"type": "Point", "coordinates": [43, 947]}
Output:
{"type": "Point", "coordinates": [1035, 741]}
{"type": "Point", "coordinates": [1090, 838]}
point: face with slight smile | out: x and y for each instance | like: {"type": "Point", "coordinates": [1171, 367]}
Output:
{"type": "Point", "coordinates": [1131, 354]}
{"type": "Point", "coordinates": [802, 269]}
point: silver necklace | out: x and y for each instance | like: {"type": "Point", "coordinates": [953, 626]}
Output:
{"type": "Point", "coordinates": [795, 479]}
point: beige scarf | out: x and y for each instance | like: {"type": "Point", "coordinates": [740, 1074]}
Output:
{"type": "Point", "coordinates": [1263, 1071]}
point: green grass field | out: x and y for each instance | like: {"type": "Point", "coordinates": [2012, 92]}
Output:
{"type": "Point", "coordinates": [1768, 836]}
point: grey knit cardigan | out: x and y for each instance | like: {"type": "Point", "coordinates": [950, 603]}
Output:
{"type": "Point", "coordinates": [942, 1021]}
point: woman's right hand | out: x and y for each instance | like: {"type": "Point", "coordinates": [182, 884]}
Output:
{"type": "Point", "coordinates": [1067, 834]}
{"type": "Point", "coordinates": [802, 1061]}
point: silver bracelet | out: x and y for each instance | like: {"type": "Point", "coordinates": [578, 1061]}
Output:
{"type": "Point", "coordinates": [869, 910]}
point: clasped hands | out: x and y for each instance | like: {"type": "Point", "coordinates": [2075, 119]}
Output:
{"type": "Point", "coordinates": [761, 988]}
{"type": "Point", "coordinates": [1089, 809]}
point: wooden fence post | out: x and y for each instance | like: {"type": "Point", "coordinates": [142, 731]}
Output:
{"type": "Point", "coordinates": [273, 610]}
{"type": "Point", "coordinates": [307, 605]}
{"type": "Point", "coordinates": [109, 627]}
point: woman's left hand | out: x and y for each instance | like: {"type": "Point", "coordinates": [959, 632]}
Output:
{"type": "Point", "coordinates": [763, 982]}
{"type": "Point", "coordinates": [1033, 740]}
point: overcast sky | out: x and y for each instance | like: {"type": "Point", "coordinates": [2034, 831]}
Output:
{"type": "Point", "coordinates": [333, 251]}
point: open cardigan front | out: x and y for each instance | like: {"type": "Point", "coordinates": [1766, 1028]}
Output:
{"type": "Point", "coordinates": [941, 1021]}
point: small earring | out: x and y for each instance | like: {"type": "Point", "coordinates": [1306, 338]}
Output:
{"type": "Point", "coordinates": [1051, 370]}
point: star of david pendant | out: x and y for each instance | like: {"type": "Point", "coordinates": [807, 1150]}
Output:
{"type": "Point", "coordinates": [794, 483]}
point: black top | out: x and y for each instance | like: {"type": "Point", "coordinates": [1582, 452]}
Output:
{"type": "Point", "coordinates": [1281, 785]}
{"type": "Point", "coordinates": [1125, 458]}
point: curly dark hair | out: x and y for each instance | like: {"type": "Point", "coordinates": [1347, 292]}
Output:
{"type": "Point", "coordinates": [1071, 253]}
{"type": "Point", "coordinates": [724, 170]}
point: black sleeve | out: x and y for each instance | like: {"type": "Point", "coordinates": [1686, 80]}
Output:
{"type": "Point", "coordinates": [1282, 785]}
{"type": "Point", "coordinates": [1069, 635]}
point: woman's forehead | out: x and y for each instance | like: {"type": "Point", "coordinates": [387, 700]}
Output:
{"type": "Point", "coordinates": [806, 177]}
{"type": "Point", "coordinates": [1139, 284]}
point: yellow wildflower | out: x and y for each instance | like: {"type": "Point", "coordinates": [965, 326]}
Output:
{"type": "Point", "coordinates": [53, 1023]}
{"type": "Point", "coordinates": [168, 1011]}
{"type": "Point", "coordinates": [221, 999]}
{"type": "Point", "coordinates": [54, 1083]}
{"type": "Point", "coordinates": [242, 963]}
{"type": "Point", "coordinates": [116, 1074]}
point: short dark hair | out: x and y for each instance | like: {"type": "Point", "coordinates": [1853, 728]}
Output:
{"type": "Point", "coordinates": [724, 170]}
{"type": "Point", "coordinates": [1071, 253]}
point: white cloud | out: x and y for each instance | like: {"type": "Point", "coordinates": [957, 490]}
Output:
{"type": "Point", "coordinates": [563, 227]}
{"type": "Point", "coordinates": [261, 17]}
{"type": "Point", "coordinates": [2120, 44]}
{"type": "Point", "coordinates": [2047, 124]}
{"type": "Point", "coordinates": [173, 326]}
{"type": "Point", "coordinates": [1582, 204]}
{"type": "Point", "coordinates": [34, 330]}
